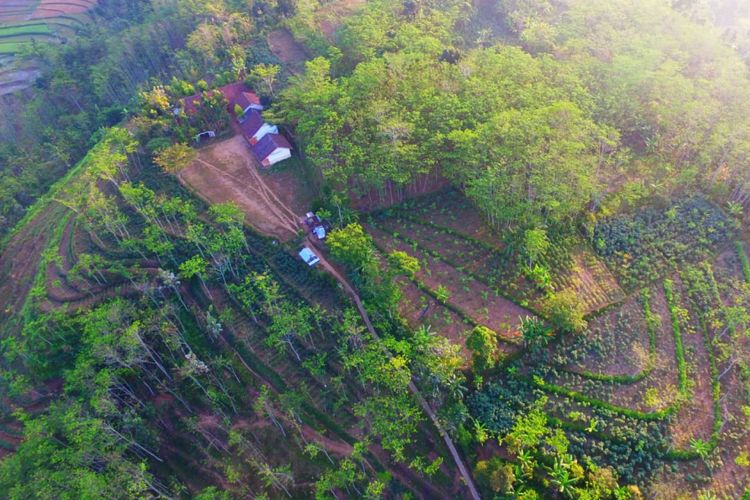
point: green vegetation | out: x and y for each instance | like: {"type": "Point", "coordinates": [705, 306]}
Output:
{"type": "Point", "coordinates": [744, 262]}
{"type": "Point", "coordinates": [526, 289]}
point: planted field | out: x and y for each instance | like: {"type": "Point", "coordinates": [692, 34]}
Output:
{"type": "Point", "coordinates": [473, 300]}
{"type": "Point", "coordinates": [643, 247]}
{"type": "Point", "coordinates": [46, 21]}
{"type": "Point", "coordinates": [450, 229]}
{"type": "Point", "coordinates": [624, 344]}
{"type": "Point", "coordinates": [657, 386]}
{"type": "Point", "coordinates": [685, 381]}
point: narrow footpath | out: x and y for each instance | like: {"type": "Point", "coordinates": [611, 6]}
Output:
{"type": "Point", "coordinates": [291, 221]}
{"type": "Point", "coordinates": [324, 264]}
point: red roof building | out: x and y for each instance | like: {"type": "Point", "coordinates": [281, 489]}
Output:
{"type": "Point", "coordinates": [254, 128]}
{"type": "Point", "coordinates": [235, 93]}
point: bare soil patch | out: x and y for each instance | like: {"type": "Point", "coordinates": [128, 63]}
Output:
{"type": "Point", "coordinates": [227, 171]}
{"type": "Point", "coordinates": [285, 47]}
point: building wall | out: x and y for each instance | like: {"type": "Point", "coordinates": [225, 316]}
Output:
{"type": "Point", "coordinates": [278, 155]}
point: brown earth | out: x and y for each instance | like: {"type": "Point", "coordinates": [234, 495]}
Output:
{"type": "Point", "coordinates": [227, 171]}
{"type": "Point", "coordinates": [664, 376]}
{"type": "Point", "coordinates": [695, 418]}
{"type": "Point", "coordinates": [285, 47]}
{"type": "Point", "coordinates": [477, 300]}
{"type": "Point", "coordinates": [55, 8]}
{"type": "Point", "coordinates": [20, 259]}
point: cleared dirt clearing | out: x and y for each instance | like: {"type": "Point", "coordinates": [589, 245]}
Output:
{"type": "Point", "coordinates": [227, 171]}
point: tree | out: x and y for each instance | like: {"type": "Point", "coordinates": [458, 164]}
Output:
{"type": "Point", "coordinates": [404, 263]}
{"type": "Point", "coordinates": [535, 244]}
{"type": "Point", "coordinates": [352, 246]}
{"type": "Point", "coordinates": [482, 342]}
{"type": "Point", "coordinates": [195, 266]}
{"type": "Point", "coordinates": [263, 76]}
{"type": "Point", "coordinates": [534, 332]}
{"type": "Point", "coordinates": [566, 312]}
{"type": "Point", "coordinates": [174, 158]}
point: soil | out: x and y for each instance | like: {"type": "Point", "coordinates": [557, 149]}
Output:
{"type": "Point", "coordinates": [621, 359]}
{"type": "Point", "coordinates": [695, 418]}
{"type": "Point", "coordinates": [20, 259]}
{"type": "Point", "coordinates": [494, 312]}
{"type": "Point", "coordinates": [227, 171]}
{"type": "Point", "coordinates": [592, 282]}
{"type": "Point", "coordinates": [285, 47]}
{"type": "Point", "coordinates": [452, 210]}
{"type": "Point", "coordinates": [420, 309]}
{"type": "Point", "coordinates": [16, 10]}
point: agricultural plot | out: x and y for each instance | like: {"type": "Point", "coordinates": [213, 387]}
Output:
{"type": "Point", "coordinates": [45, 21]}
{"type": "Point", "coordinates": [643, 247]}
{"type": "Point", "coordinates": [668, 373]}
{"type": "Point", "coordinates": [449, 228]}
{"type": "Point", "coordinates": [474, 301]}
{"type": "Point", "coordinates": [625, 344]}
{"type": "Point", "coordinates": [656, 384]}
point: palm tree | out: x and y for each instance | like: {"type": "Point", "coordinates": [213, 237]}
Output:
{"type": "Point", "coordinates": [561, 477]}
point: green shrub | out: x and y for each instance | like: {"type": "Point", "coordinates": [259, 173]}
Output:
{"type": "Point", "coordinates": [742, 255]}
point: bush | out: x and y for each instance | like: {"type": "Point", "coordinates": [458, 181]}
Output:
{"type": "Point", "coordinates": [744, 262]}
{"type": "Point", "coordinates": [566, 311]}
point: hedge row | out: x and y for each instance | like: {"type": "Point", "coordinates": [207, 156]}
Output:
{"type": "Point", "coordinates": [679, 349]}
{"type": "Point", "coordinates": [598, 403]}
{"type": "Point", "coordinates": [742, 255]}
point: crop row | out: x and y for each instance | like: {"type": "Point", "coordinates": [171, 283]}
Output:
{"type": "Point", "coordinates": [459, 311]}
{"type": "Point", "coordinates": [488, 279]}
{"type": "Point", "coordinates": [652, 324]}
{"type": "Point", "coordinates": [642, 247]}
{"type": "Point", "coordinates": [558, 260]}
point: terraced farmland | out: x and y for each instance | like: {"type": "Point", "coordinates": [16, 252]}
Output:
{"type": "Point", "coordinates": [654, 384]}
{"type": "Point", "coordinates": [24, 22]}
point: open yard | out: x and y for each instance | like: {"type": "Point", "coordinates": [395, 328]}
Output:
{"type": "Point", "coordinates": [228, 171]}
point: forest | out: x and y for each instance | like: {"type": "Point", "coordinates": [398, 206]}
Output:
{"type": "Point", "coordinates": [534, 280]}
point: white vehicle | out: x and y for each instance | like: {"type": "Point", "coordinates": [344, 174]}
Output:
{"type": "Point", "coordinates": [309, 256]}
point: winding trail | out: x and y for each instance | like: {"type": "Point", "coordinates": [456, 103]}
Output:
{"type": "Point", "coordinates": [412, 387]}
{"type": "Point", "coordinates": [289, 221]}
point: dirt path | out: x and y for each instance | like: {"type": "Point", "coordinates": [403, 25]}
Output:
{"type": "Point", "coordinates": [324, 264]}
